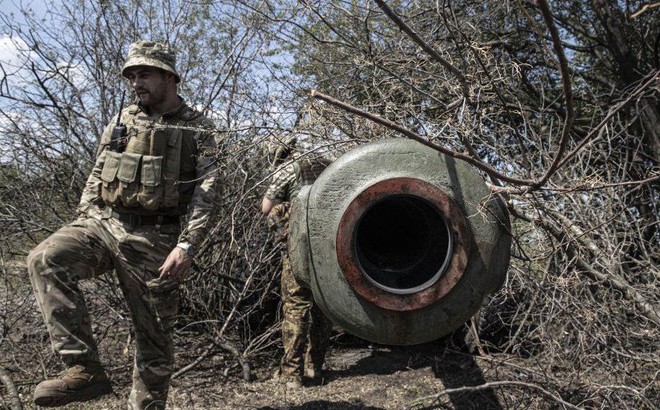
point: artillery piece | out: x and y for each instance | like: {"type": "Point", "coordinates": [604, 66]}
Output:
{"type": "Point", "coordinates": [398, 242]}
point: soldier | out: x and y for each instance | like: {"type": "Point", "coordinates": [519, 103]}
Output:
{"type": "Point", "coordinates": [158, 171]}
{"type": "Point", "coordinates": [305, 330]}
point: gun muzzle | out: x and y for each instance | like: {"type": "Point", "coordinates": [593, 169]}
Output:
{"type": "Point", "coordinates": [398, 242]}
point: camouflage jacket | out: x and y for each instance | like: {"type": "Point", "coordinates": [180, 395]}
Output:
{"type": "Point", "coordinates": [286, 184]}
{"type": "Point", "coordinates": [198, 174]}
{"type": "Point", "coordinates": [288, 181]}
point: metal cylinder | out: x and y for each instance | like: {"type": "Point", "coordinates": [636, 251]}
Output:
{"type": "Point", "coordinates": [398, 242]}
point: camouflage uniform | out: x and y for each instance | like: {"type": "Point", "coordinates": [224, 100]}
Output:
{"type": "Point", "coordinates": [305, 330]}
{"type": "Point", "coordinates": [134, 242]}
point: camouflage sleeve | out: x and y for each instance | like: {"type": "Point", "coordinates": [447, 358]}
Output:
{"type": "Point", "coordinates": [278, 221]}
{"type": "Point", "coordinates": [91, 195]}
{"type": "Point", "coordinates": [281, 186]}
{"type": "Point", "coordinates": [202, 203]}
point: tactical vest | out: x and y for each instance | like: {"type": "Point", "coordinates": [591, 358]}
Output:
{"type": "Point", "coordinates": [148, 173]}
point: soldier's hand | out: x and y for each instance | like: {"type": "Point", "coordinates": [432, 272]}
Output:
{"type": "Point", "coordinates": [176, 265]}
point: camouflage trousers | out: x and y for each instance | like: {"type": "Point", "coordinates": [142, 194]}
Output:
{"type": "Point", "coordinates": [85, 249]}
{"type": "Point", "coordinates": [305, 330]}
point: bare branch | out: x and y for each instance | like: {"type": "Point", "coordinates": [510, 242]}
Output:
{"type": "Point", "coordinates": [501, 384]}
{"type": "Point", "coordinates": [425, 46]}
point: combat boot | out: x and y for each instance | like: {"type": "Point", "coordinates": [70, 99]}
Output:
{"type": "Point", "coordinates": [77, 383]}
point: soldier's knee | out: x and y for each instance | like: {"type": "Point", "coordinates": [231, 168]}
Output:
{"type": "Point", "coordinates": [35, 261]}
{"type": "Point", "coordinates": [42, 259]}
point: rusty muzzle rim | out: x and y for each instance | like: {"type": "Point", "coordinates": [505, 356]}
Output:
{"type": "Point", "coordinates": [403, 244]}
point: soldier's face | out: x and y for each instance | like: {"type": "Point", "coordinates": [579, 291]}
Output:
{"type": "Point", "coordinates": [149, 83]}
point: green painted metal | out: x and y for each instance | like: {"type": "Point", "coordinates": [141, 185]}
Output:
{"type": "Point", "coordinates": [481, 236]}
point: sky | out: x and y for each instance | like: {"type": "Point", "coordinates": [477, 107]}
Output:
{"type": "Point", "coordinates": [12, 9]}
{"type": "Point", "coordinates": [9, 57]}
{"type": "Point", "coordinates": [40, 7]}
{"type": "Point", "coordinates": [14, 63]}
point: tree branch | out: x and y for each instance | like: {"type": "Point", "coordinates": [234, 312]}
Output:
{"type": "Point", "coordinates": [425, 46]}
{"type": "Point", "coordinates": [414, 136]}
{"type": "Point", "coordinates": [503, 383]}
{"type": "Point", "coordinates": [566, 85]}
{"type": "Point", "coordinates": [615, 281]}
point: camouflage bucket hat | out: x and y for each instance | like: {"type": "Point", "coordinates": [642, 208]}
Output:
{"type": "Point", "coordinates": [152, 54]}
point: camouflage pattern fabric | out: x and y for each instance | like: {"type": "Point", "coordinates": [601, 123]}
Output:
{"type": "Point", "coordinates": [85, 249]}
{"type": "Point", "coordinates": [305, 330]}
{"type": "Point", "coordinates": [288, 181]}
{"type": "Point", "coordinates": [278, 222]}
{"type": "Point", "coordinates": [307, 169]}
{"type": "Point", "coordinates": [197, 181]}
{"type": "Point", "coordinates": [149, 53]}
{"type": "Point", "coordinates": [283, 184]}
{"type": "Point", "coordinates": [98, 242]}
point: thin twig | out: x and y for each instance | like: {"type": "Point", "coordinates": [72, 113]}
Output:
{"type": "Point", "coordinates": [644, 9]}
{"type": "Point", "coordinates": [504, 383]}
{"type": "Point", "coordinates": [11, 390]}
{"type": "Point", "coordinates": [566, 85]}
{"type": "Point", "coordinates": [210, 348]}
{"type": "Point", "coordinates": [414, 136]}
{"type": "Point", "coordinates": [425, 46]}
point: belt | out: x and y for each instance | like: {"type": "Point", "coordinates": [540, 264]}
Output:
{"type": "Point", "coordinates": [139, 220]}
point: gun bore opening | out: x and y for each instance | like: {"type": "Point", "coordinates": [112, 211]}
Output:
{"type": "Point", "coordinates": [403, 244]}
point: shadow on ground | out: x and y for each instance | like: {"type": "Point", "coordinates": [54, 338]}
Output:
{"type": "Point", "coordinates": [457, 370]}
{"type": "Point", "coordinates": [325, 405]}
{"type": "Point", "coordinates": [454, 368]}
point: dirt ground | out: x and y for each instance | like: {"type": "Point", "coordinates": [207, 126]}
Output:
{"type": "Point", "coordinates": [367, 379]}
{"type": "Point", "coordinates": [356, 378]}
{"type": "Point", "coordinates": [358, 375]}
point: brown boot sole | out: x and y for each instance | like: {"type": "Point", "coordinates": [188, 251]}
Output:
{"type": "Point", "coordinates": [54, 397]}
